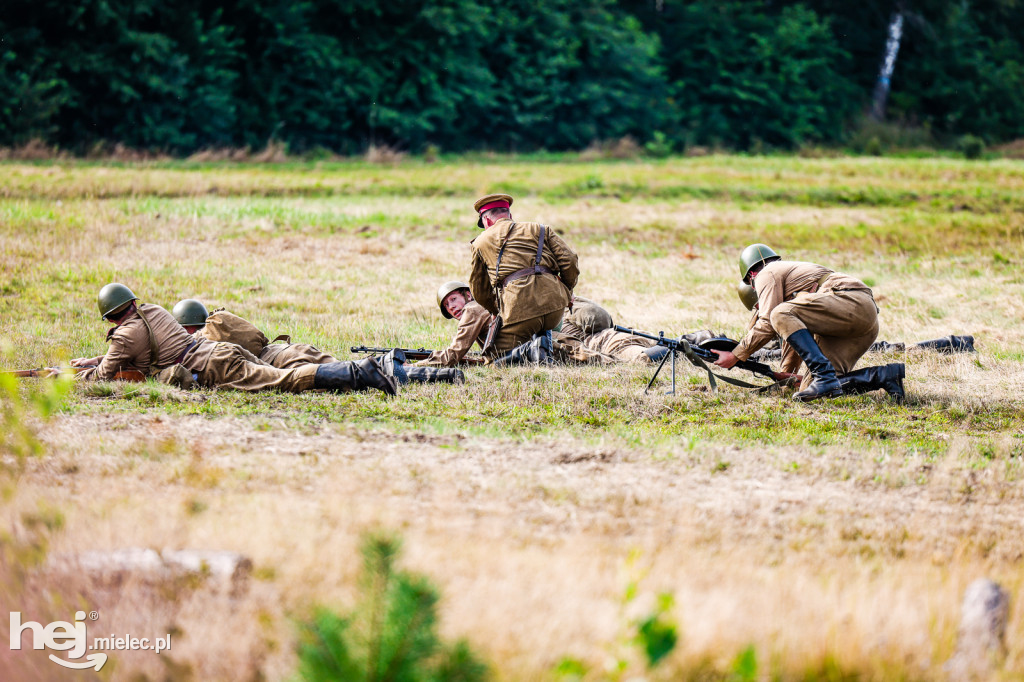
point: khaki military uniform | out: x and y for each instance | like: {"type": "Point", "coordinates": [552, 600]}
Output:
{"type": "Point", "coordinates": [230, 328]}
{"type": "Point", "coordinates": [619, 345]}
{"type": "Point", "coordinates": [589, 324]}
{"type": "Point", "coordinates": [215, 364]}
{"type": "Point", "coordinates": [473, 326]}
{"type": "Point", "coordinates": [289, 355]}
{"type": "Point", "coordinates": [837, 309]}
{"type": "Point", "coordinates": [529, 304]}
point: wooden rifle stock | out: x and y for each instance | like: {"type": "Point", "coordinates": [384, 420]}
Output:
{"type": "Point", "coordinates": [133, 375]}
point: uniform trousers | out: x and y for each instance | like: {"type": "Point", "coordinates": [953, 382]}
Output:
{"type": "Point", "coordinates": [844, 324]}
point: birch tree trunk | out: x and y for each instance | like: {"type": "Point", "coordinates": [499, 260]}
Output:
{"type": "Point", "coordinates": [892, 48]}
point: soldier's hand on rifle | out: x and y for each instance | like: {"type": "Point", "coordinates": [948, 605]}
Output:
{"type": "Point", "coordinates": [79, 362]}
{"type": "Point", "coordinates": [725, 358]}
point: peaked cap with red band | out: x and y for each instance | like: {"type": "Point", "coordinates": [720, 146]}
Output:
{"type": "Point", "coordinates": [488, 202]}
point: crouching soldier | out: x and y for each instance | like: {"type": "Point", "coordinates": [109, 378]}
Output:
{"type": "Point", "coordinates": [145, 337]}
{"type": "Point", "coordinates": [827, 318]}
{"type": "Point", "coordinates": [523, 274]}
{"type": "Point", "coordinates": [947, 345]}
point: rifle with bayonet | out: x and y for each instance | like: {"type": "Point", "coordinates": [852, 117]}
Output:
{"type": "Point", "coordinates": [124, 375]}
{"type": "Point", "coordinates": [700, 355]}
{"type": "Point", "coordinates": [415, 354]}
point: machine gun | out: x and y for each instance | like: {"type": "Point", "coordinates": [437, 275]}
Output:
{"type": "Point", "coordinates": [700, 355]}
{"type": "Point", "coordinates": [414, 354]}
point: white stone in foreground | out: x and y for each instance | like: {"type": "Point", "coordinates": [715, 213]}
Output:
{"type": "Point", "coordinates": [981, 642]}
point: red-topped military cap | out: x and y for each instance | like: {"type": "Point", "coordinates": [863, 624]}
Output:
{"type": "Point", "coordinates": [488, 202]}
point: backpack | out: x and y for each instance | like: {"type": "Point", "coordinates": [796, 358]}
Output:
{"type": "Point", "coordinates": [223, 326]}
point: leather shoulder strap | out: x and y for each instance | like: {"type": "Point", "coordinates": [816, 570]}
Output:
{"type": "Point", "coordinates": [501, 252]}
{"type": "Point", "coordinates": [540, 245]}
{"type": "Point", "coordinates": [154, 350]}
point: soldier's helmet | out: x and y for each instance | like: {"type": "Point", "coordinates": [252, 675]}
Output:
{"type": "Point", "coordinates": [591, 318]}
{"type": "Point", "coordinates": [747, 294]}
{"type": "Point", "coordinates": [755, 255]}
{"type": "Point", "coordinates": [113, 298]}
{"type": "Point", "coordinates": [190, 313]}
{"type": "Point", "coordinates": [444, 290]}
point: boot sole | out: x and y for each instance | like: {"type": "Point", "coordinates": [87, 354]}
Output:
{"type": "Point", "coordinates": [809, 398]}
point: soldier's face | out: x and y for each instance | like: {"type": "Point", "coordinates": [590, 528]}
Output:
{"type": "Point", "coordinates": [454, 303]}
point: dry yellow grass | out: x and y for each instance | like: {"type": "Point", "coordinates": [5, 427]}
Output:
{"type": "Point", "coordinates": [842, 532]}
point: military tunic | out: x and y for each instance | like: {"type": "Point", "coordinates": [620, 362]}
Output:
{"type": "Point", "coordinates": [215, 364]}
{"type": "Point", "coordinates": [130, 347]}
{"type": "Point", "coordinates": [473, 325]}
{"type": "Point", "coordinates": [280, 355]}
{"type": "Point", "coordinates": [528, 305]}
{"type": "Point", "coordinates": [837, 309]}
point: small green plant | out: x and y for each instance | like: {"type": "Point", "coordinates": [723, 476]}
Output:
{"type": "Point", "coordinates": [873, 147]}
{"type": "Point", "coordinates": [972, 146]}
{"type": "Point", "coordinates": [660, 146]}
{"type": "Point", "coordinates": [744, 666]}
{"type": "Point", "coordinates": [390, 636]}
{"type": "Point", "coordinates": [19, 407]}
{"type": "Point", "coordinates": [643, 643]}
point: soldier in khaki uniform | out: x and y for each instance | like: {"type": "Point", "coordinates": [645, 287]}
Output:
{"type": "Point", "coordinates": [524, 274]}
{"type": "Point", "coordinates": [592, 325]}
{"type": "Point", "coordinates": [947, 345]}
{"type": "Point", "coordinates": [197, 321]}
{"type": "Point", "coordinates": [456, 302]}
{"type": "Point", "coordinates": [147, 338]}
{"type": "Point", "coordinates": [829, 319]}
{"type": "Point", "coordinates": [223, 326]}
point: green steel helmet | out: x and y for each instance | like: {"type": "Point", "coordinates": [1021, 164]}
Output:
{"type": "Point", "coordinates": [113, 298]}
{"type": "Point", "coordinates": [190, 313]}
{"type": "Point", "coordinates": [591, 318]}
{"type": "Point", "coordinates": [442, 293]}
{"type": "Point", "coordinates": [747, 294]}
{"type": "Point", "coordinates": [755, 255]}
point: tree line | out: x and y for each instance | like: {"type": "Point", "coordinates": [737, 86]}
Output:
{"type": "Point", "coordinates": [508, 75]}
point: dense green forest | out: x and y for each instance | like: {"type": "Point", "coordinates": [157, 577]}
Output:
{"type": "Point", "coordinates": [509, 75]}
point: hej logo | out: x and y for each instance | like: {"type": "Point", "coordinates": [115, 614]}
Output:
{"type": "Point", "coordinates": [74, 638]}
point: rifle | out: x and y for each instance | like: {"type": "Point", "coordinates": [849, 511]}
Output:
{"type": "Point", "coordinates": [124, 375]}
{"type": "Point", "coordinates": [699, 355]}
{"type": "Point", "coordinates": [414, 354]}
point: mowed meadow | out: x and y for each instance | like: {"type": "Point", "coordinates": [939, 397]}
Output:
{"type": "Point", "coordinates": [551, 506]}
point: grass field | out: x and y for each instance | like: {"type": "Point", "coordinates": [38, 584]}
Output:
{"type": "Point", "coordinates": [832, 540]}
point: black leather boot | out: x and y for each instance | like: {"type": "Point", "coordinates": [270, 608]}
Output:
{"type": "Point", "coordinates": [886, 347]}
{"type": "Point", "coordinates": [436, 375]}
{"type": "Point", "coordinates": [949, 344]}
{"type": "Point", "coordinates": [656, 353]}
{"type": "Point", "coordinates": [536, 351]}
{"type": "Point", "coordinates": [825, 384]}
{"type": "Point", "coordinates": [888, 377]}
{"type": "Point", "coordinates": [393, 365]}
{"type": "Point", "coordinates": [354, 376]}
